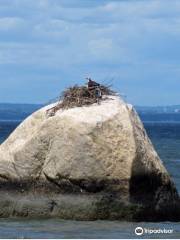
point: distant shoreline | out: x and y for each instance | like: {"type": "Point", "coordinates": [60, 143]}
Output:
{"type": "Point", "coordinates": [18, 112]}
{"type": "Point", "coordinates": [11, 120]}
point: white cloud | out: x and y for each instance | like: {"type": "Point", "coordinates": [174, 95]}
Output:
{"type": "Point", "coordinates": [11, 23]}
{"type": "Point", "coordinates": [116, 31]}
{"type": "Point", "coordinates": [101, 47]}
{"type": "Point", "coordinates": [54, 28]}
{"type": "Point", "coordinates": [131, 40]}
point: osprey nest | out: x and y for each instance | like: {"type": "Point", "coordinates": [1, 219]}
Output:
{"type": "Point", "coordinates": [78, 96]}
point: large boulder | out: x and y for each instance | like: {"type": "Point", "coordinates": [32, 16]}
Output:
{"type": "Point", "coordinates": [86, 163]}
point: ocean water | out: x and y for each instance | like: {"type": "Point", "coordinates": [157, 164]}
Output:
{"type": "Point", "coordinates": [166, 139]}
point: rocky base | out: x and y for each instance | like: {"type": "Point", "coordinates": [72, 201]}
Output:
{"type": "Point", "coordinates": [87, 200]}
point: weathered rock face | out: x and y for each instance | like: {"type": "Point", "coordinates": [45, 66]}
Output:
{"type": "Point", "coordinates": [85, 163]}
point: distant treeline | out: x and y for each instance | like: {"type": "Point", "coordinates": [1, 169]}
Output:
{"type": "Point", "coordinates": [158, 109]}
{"type": "Point", "coordinates": [160, 117]}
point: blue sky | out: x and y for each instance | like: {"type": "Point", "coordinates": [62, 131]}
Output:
{"type": "Point", "coordinates": [47, 45]}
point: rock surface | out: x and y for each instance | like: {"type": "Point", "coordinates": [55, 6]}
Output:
{"type": "Point", "coordinates": [85, 163]}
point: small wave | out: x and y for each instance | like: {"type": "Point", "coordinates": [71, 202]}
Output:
{"type": "Point", "coordinates": [161, 122]}
{"type": "Point", "coordinates": [175, 160]}
{"type": "Point", "coordinates": [9, 120]}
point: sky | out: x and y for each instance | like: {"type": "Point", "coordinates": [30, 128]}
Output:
{"type": "Point", "coordinates": [48, 45]}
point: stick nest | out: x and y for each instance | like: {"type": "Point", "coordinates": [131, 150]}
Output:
{"type": "Point", "coordinates": [78, 96]}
